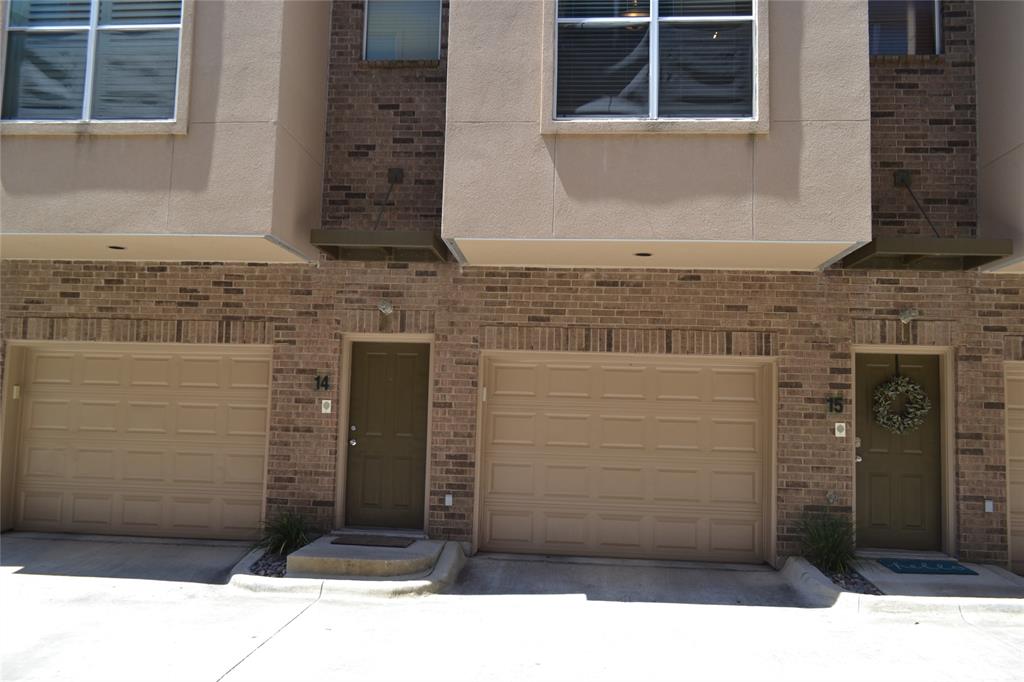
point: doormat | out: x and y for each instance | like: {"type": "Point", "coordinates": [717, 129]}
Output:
{"type": "Point", "coordinates": [927, 566]}
{"type": "Point", "coordinates": [373, 540]}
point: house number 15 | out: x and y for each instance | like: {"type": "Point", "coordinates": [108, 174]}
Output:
{"type": "Point", "coordinates": [323, 382]}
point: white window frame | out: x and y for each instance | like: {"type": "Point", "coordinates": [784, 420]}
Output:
{"type": "Point", "coordinates": [551, 123]}
{"type": "Point", "coordinates": [86, 124]}
{"type": "Point", "coordinates": [366, 26]}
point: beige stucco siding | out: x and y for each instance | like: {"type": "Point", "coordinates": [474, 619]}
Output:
{"type": "Point", "coordinates": [807, 178]}
{"type": "Point", "coordinates": [250, 163]}
{"type": "Point", "coordinates": [1000, 62]}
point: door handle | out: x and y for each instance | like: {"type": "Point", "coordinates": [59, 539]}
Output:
{"type": "Point", "coordinates": [352, 442]}
{"type": "Point", "coordinates": [858, 459]}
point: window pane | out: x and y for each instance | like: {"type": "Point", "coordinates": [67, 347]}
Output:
{"type": "Point", "coordinates": [696, 8]}
{"type": "Point", "coordinates": [45, 76]}
{"type": "Point", "coordinates": [603, 71]}
{"type": "Point", "coordinates": [50, 12]}
{"type": "Point", "coordinates": [136, 74]}
{"type": "Point", "coordinates": [902, 27]}
{"type": "Point", "coordinates": [603, 9]}
{"type": "Point", "coordinates": [403, 29]}
{"type": "Point", "coordinates": [706, 70]}
{"type": "Point", "coordinates": [140, 12]}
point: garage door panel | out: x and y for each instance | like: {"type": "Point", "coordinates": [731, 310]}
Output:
{"type": "Point", "coordinates": [240, 515]}
{"type": "Point", "coordinates": [142, 512]}
{"type": "Point", "coordinates": [102, 369]}
{"type": "Point", "coordinates": [680, 384]}
{"type": "Point", "coordinates": [622, 483]}
{"type": "Point", "coordinates": [246, 373]}
{"type": "Point", "coordinates": [623, 383]}
{"type": "Point", "coordinates": [509, 478]}
{"type": "Point", "coordinates": [152, 371]}
{"type": "Point", "coordinates": [662, 458]}
{"type": "Point", "coordinates": [739, 536]}
{"type": "Point", "coordinates": [92, 510]}
{"type": "Point", "coordinates": [676, 534]}
{"type": "Point", "coordinates": [246, 420]}
{"type": "Point", "coordinates": [98, 415]}
{"type": "Point", "coordinates": [509, 528]}
{"type": "Point", "coordinates": [144, 465]}
{"type": "Point", "coordinates": [676, 485]}
{"type": "Point", "coordinates": [616, 532]}
{"type": "Point", "coordinates": [42, 507]}
{"type": "Point", "coordinates": [734, 486]}
{"type": "Point", "coordinates": [679, 433]}
{"type": "Point", "coordinates": [624, 432]}
{"type": "Point", "coordinates": [55, 369]}
{"type": "Point", "coordinates": [148, 417]}
{"type": "Point", "coordinates": [736, 385]}
{"type": "Point", "coordinates": [567, 430]}
{"type": "Point", "coordinates": [48, 414]}
{"type": "Point", "coordinates": [567, 381]}
{"type": "Point", "coordinates": [565, 480]}
{"type": "Point", "coordinates": [144, 441]}
{"type": "Point", "coordinates": [95, 464]}
{"type": "Point", "coordinates": [43, 460]}
{"type": "Point", "coordinates": [198, 419]}
{"type": "Point", "coordinates": [512, 428]}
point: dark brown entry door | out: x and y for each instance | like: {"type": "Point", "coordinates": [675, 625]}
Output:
{"type": "Point", "coordinates": [899, 488]}
{"type": "Point", "coordinates": [387, 452]}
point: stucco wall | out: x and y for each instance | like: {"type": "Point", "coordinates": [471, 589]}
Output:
{"type": "Point", "coordinates": [253, 146]}
{"type": "Point", "coordinates": [1000, 65]}
{"type": "Point", "coordinates": [808, 178]}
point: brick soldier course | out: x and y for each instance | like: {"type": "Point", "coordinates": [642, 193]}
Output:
{"type": "Point", "coordinates": [807, 321]}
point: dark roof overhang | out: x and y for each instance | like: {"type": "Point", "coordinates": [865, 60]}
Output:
{"type": "Point", "coordinates": [927, 253]}
{"type": "Point", "coordinates": [339, 241]}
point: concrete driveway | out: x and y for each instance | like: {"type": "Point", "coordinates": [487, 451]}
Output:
{"type": "Point", "coordinates": [98, 556]}
{"type": "Point", "coordinates": [508, 619]}
{"type": "Point", "coordinates": [666, 582]}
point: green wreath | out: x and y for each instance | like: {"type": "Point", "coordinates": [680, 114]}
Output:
{"type": "Point", "coordinates": [915, 410]}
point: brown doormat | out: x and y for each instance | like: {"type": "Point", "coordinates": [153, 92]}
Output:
{"type": "Point", "coordinates": [373, 540]}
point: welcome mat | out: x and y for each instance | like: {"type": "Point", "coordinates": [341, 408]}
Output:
{"type": "Point", "coordinates": [373, 540]}
{"type": "Point", "coordinates": [927, 566]}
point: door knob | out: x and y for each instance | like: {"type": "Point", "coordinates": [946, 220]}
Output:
{"type": "Point", "coordinates": [352, 442]}
{"type": "Point", "coordinates": [858, 459]}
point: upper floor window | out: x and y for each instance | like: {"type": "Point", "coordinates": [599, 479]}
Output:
{"type": "Point", "coordinates": [905, 26]}
{"type": "Point", "coordinates": [92, 60]}
{"type": "Point", "coordinates": [403, 30]}
{"type": "Point", "coordinates": [655, 59]}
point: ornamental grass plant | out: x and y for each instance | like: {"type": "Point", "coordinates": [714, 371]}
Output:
{"type": "Point", "coordinates": [827, 541]}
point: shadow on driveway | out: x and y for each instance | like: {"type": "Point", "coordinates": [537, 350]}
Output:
{"type": "Point", "coordinates": [626, 580]}
{"type": "Point", "coordinates": [97, 556]}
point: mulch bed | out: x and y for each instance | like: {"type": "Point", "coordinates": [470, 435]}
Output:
{"type": "Point", "coordinates": [270, 565]}
{"type": "Point", "coordinates": [852, 581]}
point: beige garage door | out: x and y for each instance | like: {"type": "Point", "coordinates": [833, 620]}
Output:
{"type": "Point", "coordinates": [142, 439]}
{"type": "Point", "coordinates": [626, 456]}
{"type": "Point", "coordinates": [1015, 460]}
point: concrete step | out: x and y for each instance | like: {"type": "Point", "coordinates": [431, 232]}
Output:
{"type": "Point", "coordinates": [321, 558]}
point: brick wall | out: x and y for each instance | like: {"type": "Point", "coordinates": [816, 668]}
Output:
{"type": "Point", "coordinates": [382, 115]}
{"type": "Point", "coordinates": [923, 119]}
{"type": "Point", "coordinates": [807, 321]}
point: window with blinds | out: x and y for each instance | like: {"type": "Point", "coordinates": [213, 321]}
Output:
{"type": "Point", "coordinates": [403, 30]}
{"type": "Point", "coordinates": [655, 59]}
{"type": "Point", "coordinates": [92, 60]}
{"type": "Point", "coordinates": [905, 26]}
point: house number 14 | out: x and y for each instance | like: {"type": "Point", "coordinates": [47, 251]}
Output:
{"type": "Point", "coordinates": [323, 382]}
